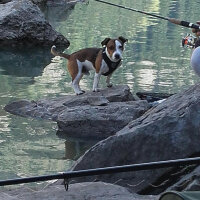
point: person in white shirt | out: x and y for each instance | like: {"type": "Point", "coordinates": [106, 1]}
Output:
{"type": "Point", "coordinates": [195, 58]}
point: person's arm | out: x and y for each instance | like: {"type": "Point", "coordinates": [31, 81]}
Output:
{"type": "Point", "coordinates": [196, 31]}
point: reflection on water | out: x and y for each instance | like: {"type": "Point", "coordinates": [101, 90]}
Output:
{"type": "Point", "coordinates": [15, 62]}
{"type": "Point", "coordinates": [153, 61]}
{"type": "Point", "coordinates": [55, 12]}
{"type": "Point", "coordinates": [74, 147]}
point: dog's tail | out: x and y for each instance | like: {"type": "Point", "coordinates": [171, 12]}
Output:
{"type": "Point", "coordinates": [55, 53]}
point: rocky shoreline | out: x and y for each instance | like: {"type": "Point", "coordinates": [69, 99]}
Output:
{"type": "Point", "coordinates": [78, 191]}
{"type": "Point", "coordinates": [167, 131]}
{"type": "Point", "coordinates": [93, 115]}
{"type": "Point", "coordinates": [131, 130]}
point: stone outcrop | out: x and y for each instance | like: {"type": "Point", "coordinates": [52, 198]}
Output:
{"type": "Point", "coordinates": [99, 121]}
{"type": "Point", "coordinates": [85, 191]}
{"type": "Point", "coordinates": [22, 22]}
{"type": "Point", "coordinates": [50, 108]}
{"type": "Point", "coordinates": [97, 115]}
{"type": "Point", "coordinates": [168, 131]}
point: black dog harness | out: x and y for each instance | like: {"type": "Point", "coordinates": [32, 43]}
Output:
{"type": "Point", "coordinates": [112, 66]}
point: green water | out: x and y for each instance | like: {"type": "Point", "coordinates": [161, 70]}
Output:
{"type": "Point", "coordinates": [153, 61]}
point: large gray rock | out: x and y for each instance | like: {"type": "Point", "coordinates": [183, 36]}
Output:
{"type": "Point", "coordinates": [169, 131]}
{"type": "Point", "coordinates": [99, 121]}
{"type": "Point", "coordinates": [50, 108]}
{"type": "Point", "coordinates": [86, 191]}
{"type": "Point", "coordinates": [21, 22]}
{"type": "Point", "coordinates": [97, 115]}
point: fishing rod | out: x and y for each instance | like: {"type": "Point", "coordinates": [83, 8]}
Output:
{"type": "Point", "coordinates": [172, 20]}
{"type": "Point", "coordinates": [106, 170]}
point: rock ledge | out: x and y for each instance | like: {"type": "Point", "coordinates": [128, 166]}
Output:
{"type": "Point", "coordinates": [97, 115]}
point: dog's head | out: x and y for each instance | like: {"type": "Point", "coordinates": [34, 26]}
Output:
{"type": "Point", "coordinates": [114, 47]}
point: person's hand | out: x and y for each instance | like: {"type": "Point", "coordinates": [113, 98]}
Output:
{"type": "Point", "coordinates": [196, 31]}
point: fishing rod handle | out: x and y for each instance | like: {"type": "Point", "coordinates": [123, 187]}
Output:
{"type": "Point", "coordinates": [184, 23]}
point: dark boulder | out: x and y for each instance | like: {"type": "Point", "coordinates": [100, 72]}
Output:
{"type": "Point", "coordinates": [169, 131]}
{"type": "Point", "coordinates": [22, 23]}
{"type": "Point", "coordinates": [51, 108]}
{"type": "Point", "coordinates": [97, 115]}
{"type": "Point", "coordinates": [99, 121]}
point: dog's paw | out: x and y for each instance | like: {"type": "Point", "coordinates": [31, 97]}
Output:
{"type": "Point", "coordinates": [96, 90]}
{"type": "Point", "coordinates": [79, 93]}
{"type": "Point", "coordinates": [109, 85]}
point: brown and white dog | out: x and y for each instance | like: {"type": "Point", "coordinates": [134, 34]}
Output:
{"type": "Point", "coordinates": [103, 60]}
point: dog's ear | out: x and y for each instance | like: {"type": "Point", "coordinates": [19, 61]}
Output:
{"type": "Point", "coordinates": [122, 39]}
{"type": "Point", "coordinates": [105, 41]}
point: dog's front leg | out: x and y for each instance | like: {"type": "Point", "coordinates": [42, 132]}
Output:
{"type": "Point", "coordinates": [109, 84]}
{"type": "Point", "coordinates": [96, 82]}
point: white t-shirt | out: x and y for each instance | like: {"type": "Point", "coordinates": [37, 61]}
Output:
{"type": "Point", "coordinates": [195, 60]}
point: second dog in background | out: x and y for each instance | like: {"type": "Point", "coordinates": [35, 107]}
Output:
{"type": "Point", "coordinates": [103, 60]}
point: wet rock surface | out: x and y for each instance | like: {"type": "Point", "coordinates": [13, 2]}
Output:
{"type": "Point", "coordinates": [99, 121]}
{"type": "Point", "coordinates": [168, 131]}
{"type": "Point", "coordinates": [22, 23]}
{"type": "Point", "coordinates": [97, 115]}
{"type": "Point", "coordinates": [85, 191]}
